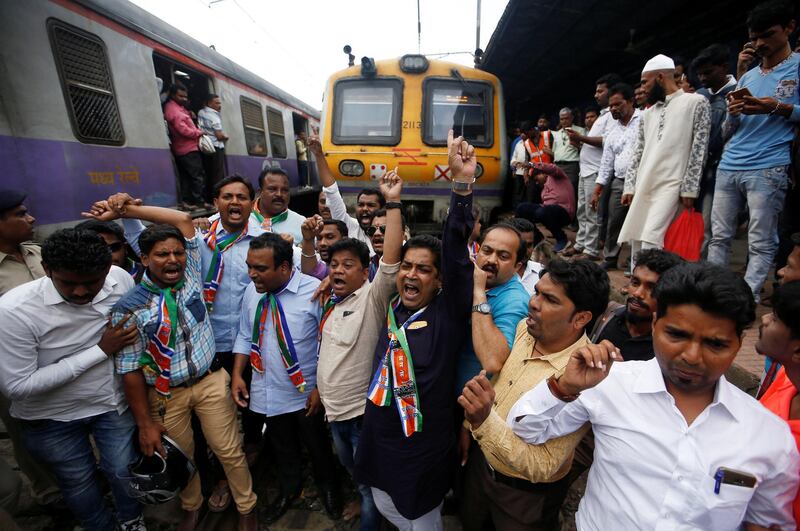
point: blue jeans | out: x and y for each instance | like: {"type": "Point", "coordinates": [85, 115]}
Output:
{"type": "Point", "coordinates": [346, 434]}
{"type": "Point", "coordinates": [763, 191]}
{"type": "Point", "coordinates": [65, 448]}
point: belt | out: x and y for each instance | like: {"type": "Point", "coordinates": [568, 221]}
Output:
{"type": "Point", "coordinates": [193, 381]}
{"type": "Point", "coordinates": [515, 483]}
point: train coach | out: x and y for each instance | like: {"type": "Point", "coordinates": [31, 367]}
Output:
{"type": "Point", "coordinates": [397, 112]}
{"type": "Point", "coordinates": [82, 85]}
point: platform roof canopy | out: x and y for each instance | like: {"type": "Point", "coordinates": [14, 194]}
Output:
{"type": "Point", "coordinates": [548, 54]}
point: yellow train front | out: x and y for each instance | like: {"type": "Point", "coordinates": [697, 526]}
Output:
{"type": "Point", "coordinates": [397, 112]}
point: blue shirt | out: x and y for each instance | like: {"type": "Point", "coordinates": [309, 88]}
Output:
{"type": "Point", "coordinates": [762, 140]}
{"type": "Point", "coordinates": [272, 392]}
{"type": "Point", "coordinates": [192, 357]}
{"type": "Point", "coordinates": [509, 303]}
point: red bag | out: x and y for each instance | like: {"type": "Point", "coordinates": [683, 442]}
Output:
{"type": "Point", "coordinates": [685, 235]}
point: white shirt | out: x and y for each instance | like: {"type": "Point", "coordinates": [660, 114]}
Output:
{"type": "Point", "coordinates": [50, 364]}
{"type": "Point", "coordinates": [334, 201]}
{"type": "Point", "coordinates": [210, 122]}
{"type": "Point", "coordinates": [591, 155]}
{"type": "Point", "coordinates": [652, 471]}
{"type": "Point", "coordinates": [531, 276]}
{"type": "Point", "coordinates": [618, 148]}
{"type": "Point", "coordinates": [520, 155]}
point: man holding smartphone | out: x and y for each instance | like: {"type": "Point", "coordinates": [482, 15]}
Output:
{"type": "Point", "coordinates": [754, 169]}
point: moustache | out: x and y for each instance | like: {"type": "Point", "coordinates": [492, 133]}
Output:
{"type": "Point", "coordinates": [638, 302]}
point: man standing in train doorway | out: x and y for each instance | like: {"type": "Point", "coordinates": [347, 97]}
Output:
{"type": "Point", "coordinates": [184, 136]}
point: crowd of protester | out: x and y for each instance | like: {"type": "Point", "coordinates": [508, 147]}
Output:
{"type": "Point", "coordinates": [488, 366]}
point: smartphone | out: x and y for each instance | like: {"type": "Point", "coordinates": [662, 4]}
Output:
{"type": "Point", "coordinates": [739, 94]}
{"type": "Point", "coordinates": [728, 476]}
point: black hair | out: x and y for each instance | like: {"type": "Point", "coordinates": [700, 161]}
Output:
{"type": "Point", "coordinates": [102, 227]}
{"type": "Point", "coordinates": [281, 249]}
{"type": "Point", "coordinates": [77, 251]}
{"type": "Point", "coordinates": [158, 233]}
{"type": "Point", "coordinates": [235, 178]}
{"type": "Point", "coordinates": [372, 191]}
{"type": "Point", "coordinates": [357, 247]}
{"type": "Point", "coordinates": [768, 14]}
{"type": "Point", "coordinates": [175, 87]}
{"type": "Point", "coordinates": [381, 213]}
{"type": "Point", "coordinates": [591, 108]}
{"type": "Point", "coordinates": [340, 226]}
{"type": "Point", "coordinates": [715, 289]}
{"type": "Point", "coordinates": [521, 247]}
{"type": "Point", "coordinates": [715, 54]}
{"type": "Point", "coordinates": [522, 225]}
{"type": "Point", "coordinates": [585, 282]}
{"type": "Point", "coordinates": [527, 125]}
{"type": "Point", "coordinates": [425, 241]}
{"type": "Point", "coordinates": [270, 171]}
{"type": "Point", "coordinates": [609, 80]}
{"type": "Point", "coordinates": [623, 89]}
{"type": "Point", "coordinates": [657, 260]}
{"type": "Point", "coordinates": [786, 305]}
{"type": "Point", "coordinates": [680, 60]}
{"type": "Point", "coordinates": [210, 97]}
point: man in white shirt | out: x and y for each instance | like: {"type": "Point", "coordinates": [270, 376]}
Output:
{"type": "Point", "coordinates": [368, 200]}
{"type": "Point", "coordinates": [588, 237]}
{"type": "Point", "coordinates": [210, 121]}
{"type": "Point", "coordinates": [57, 368]}
{"type": "Point", "coordinates": [271, 207]}
{"type": "Point", "coordinates": [676, 445]}
{"type": "Point", "coordinates": [529, 270]}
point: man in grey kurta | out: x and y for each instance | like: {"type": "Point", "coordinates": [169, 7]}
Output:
{"type": "Point", "coordinates": [667, 160]}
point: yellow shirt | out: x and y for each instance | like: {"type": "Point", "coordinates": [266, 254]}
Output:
{"type": "Point", "coordinates": [504, 451]}
{"type": "Point", "coordinates": [14, 273]}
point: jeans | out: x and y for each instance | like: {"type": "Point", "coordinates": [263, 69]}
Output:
{"type": "Point", "coordinates": [346, 434]}
{"type": "Point", "coordinates": [763, 191]}
{"type": "Point", "coordinates": [65, 448]}
{"type": "Point", "coordinates": [553, 217]}
{"type": "Point", "coordinates": [588, 220]}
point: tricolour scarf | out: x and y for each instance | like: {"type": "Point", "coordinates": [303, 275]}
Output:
{"type": "Point", "coordinates": [157, 358]}
{"type": "Point", "coordinates": [266, 222]}
{"type": "Point", "coordinates": [395, 375]}
{"type": "Point", "coordinates": [217, 267]}
{"type": "Point", "coordinates": [270, 303]}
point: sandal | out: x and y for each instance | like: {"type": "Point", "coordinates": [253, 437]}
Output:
{"type": "Point", "coordinates": [223, 493]}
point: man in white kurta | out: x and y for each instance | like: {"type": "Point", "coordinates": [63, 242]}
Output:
{"type": "Point", "coordinates": [667, 161]}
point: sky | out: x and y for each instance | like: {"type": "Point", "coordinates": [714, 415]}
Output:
{"type": "Point", "coordinates": [297, 44]}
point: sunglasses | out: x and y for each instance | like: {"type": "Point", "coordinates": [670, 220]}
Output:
{"type": "Point", "coordinates": [116, 246]}
{"type": "Point", "coordinates": [371, 230]}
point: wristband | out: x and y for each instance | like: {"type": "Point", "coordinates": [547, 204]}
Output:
{"type": "Point", "coordinates": [552, 384]}
{"type": "Point", "coordinates": [392, 204]}
{"type": "Point", "coordinates": [312, 255]}
{"type": "Point", "coordinates": [461, 186]}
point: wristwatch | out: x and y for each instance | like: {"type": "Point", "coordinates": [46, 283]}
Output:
{"type": "Point", "coordinates": [461, 186]}
{"type": "Point", "coordinates": [483, 308]}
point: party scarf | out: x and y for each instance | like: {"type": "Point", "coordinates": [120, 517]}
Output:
{"type": "Point", "coordinates": [217, 267]}
{"type": "Point", "coordinates": [268, 223]}
{"type": "Point", "coordinates": [161, 347]}
{"type": "Point", "coordinates": [285, 343]}
{"type": "Point", "coordinates": [395, 375]}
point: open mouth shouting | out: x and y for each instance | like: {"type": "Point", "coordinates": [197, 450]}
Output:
{"type": "Point", "coordinates": [172, 274]}
{"type": "Point", "coordinates": [411, 291]}
{"type": "Point", "coordinates": [235, 214]}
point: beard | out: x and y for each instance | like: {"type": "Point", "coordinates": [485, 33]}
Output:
{"type": "Point", "coordinates": [656, 94]}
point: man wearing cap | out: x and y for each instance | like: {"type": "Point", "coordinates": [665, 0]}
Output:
{"type": "Point", "coordinates": [667, 160]}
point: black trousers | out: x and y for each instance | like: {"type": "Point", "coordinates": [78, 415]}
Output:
{"type": "Point", "coordinates": [285, 433]}
{"type": "Point", "coordinates": [302, 169]}
{"type": "Point", "coordinates": [553, 217]}
{"type": "Point", "coordinates": [214, 169]}
{"type": "Point", "coordinates": [192, 177]}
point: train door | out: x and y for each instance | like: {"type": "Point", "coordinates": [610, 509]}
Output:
{"type": "Point", "coordinates": [305, 168]}
{"type": "Point", "coordinates": [197, 85]}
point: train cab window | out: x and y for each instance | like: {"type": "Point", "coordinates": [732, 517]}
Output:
{"type": "Point", "coordinates": [277, 137]}
{"type": "Point", "coordinates": [464, 106]}
{"type": "Point", "coordinates": [367, 111]}
{"type": "Point", "coordinates": [85, 77]}
{"type": "Point", "coordinates": [253, 119]}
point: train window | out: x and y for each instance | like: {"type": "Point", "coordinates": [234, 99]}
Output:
{"type": "Point", "coordinates": [277, 138]}
{"type": "Point", "coordinates": [367, 111]}
{"type": "Point", "coordinates": [253, 119]}
{"type": "Point", "coordinates": [86, 81]}
{"type": "Point", "coordinates": [464, 106]}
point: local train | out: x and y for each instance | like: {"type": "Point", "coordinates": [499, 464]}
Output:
{"type": "Point", "coordinates": [397, 112]}
{"type": "Point", "coordinates": [82, 84]}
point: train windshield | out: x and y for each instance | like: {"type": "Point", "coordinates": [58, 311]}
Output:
{"type": "Point", "coordinates": [367, 111]}
{"type": "Point", "coordinates": [464, 106]}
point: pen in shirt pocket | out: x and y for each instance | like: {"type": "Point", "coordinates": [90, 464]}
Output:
{"type": "Point", "coordinates": [728, 476]}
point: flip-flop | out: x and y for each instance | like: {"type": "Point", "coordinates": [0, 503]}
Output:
{"type": "Point", "coordinates": [224, 494]}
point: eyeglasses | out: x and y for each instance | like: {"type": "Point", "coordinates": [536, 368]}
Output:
{"type": "Point", "coordinates": [116, 246]}
{"type": "Point", "coordinates": [371, 230]}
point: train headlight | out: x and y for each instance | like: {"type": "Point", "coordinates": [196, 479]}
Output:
{"type": "Point", "coordinates": [413, 64]}
{"type": "Point", "coordinates": [478, 170]}
{"type": "Point", "coordinates": [351, 168]}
